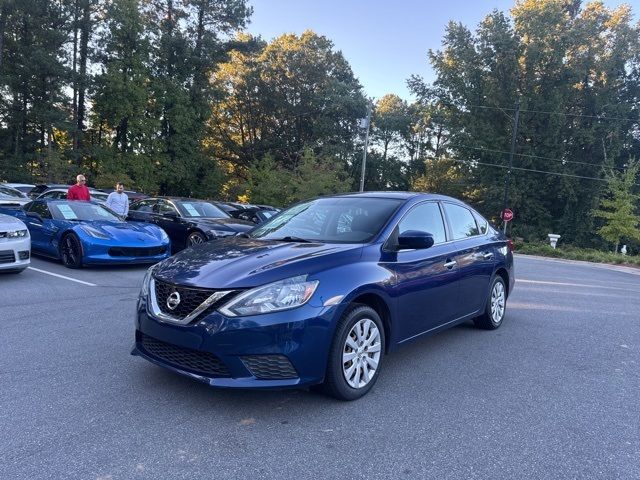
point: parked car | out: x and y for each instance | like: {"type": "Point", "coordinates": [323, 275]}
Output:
{"type": "Point", "coordinates": [319, 293]}
{"type": "Point", "coordinates": [84, 233]}
{"type": "Point", "coordinates": [61, 194]}
{"type": "Point", "coordinates": [15, 245]}
{"type": "Point", "coordinates": [43, 187]}
{"type": "Point", "coordinates": [255, 215]}
{"type": "Point", "coordinates": [187, 221]}
{"type": "Point", "coordinates": [23, 187]}
{"type": "Point", "coordinates": [11, 196]}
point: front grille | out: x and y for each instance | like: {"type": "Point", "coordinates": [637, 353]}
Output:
{"type": "Point", "coordinates": [136, 251]}
{"type": "Point", "coordinates": [195, 361]}
{"type": "Point", "coordinates": [7, 256]}
{"type": "Point", "coordinates": [190, 299]}
{"type": "Point", "coordinates": [269, 367]}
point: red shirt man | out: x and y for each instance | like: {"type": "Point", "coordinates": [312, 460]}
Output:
{"type": "Point", "coordinates": [79, 191]}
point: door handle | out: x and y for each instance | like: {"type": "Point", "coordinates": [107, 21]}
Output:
{"type": "Point", "coordinates": [487, 255]}
{"type": "Point", "coordinates": [450, 264]}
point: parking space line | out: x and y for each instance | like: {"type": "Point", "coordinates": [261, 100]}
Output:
{"type": "Point", "coordinates": [62, 276]}
{"type": "Point", "coordinates": [566, 284]}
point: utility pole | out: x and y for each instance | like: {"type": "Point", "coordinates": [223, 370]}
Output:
{"type": "Point", "coordinates": [507, 177]}
{"type": "Point", "coordinates": [366, 145]}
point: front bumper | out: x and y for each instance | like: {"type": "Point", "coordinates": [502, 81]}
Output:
{"type": "Point", "coordinates": [299, 338]}
{"type": "Point", "coordinates": [15, 254]}
{"type": "Point", "coordinates": [103, 253]}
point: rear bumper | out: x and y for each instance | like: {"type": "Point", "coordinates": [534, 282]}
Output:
{"type": "Point", "coordinates": [299, 338]}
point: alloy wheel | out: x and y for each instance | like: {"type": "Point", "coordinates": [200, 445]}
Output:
{"type": "Point", "coordinates": [497, 302]}
{"type": "Point", "coordinates": [361, 353]}
{"type": "Point", "coordinates": [195, 239]}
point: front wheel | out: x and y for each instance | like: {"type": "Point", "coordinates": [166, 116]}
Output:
{"type": "Point", "coordinates": [195, 238]}
{"type": "Point", "coordinates": [71, 251]}
{"type": "Point", "coordinates": [356, 354]}
{"type": "Point", "coordinates": [496, 306]}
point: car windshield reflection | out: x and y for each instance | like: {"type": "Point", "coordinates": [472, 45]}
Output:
{"type": "Point", "coordinates": [81, 211]}
{"type": "Point", "coordinates": [330, 220]}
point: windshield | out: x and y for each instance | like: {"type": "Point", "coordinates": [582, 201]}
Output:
{"type": "Point", "coordinates": [200, 209]}
{"type": "Point", "coordinates": [331, 220]}
{"type": "Point", "coordinates": [10, 193]}
{"type": "Point", "coordinates": [81, 211]}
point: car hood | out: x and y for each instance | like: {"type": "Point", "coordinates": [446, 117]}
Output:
{"type": "Point", "coordinates": [238, 262]}
{"type": "Point", "coordinates": [126, 231]}
{"type": "Point", "coordinates": [7, 223]}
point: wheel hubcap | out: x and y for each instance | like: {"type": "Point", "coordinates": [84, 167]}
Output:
{"type": "Point", "coordinates": [361, 353]}
{"type": "Point", "coordinates": [497, 302]}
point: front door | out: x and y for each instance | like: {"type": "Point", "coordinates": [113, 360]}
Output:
{"type": "Point", "coordinates": [426, 279]}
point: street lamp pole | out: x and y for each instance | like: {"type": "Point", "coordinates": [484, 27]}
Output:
{"type": "Point", "coordinates": [366, 146]}
{"type": "Point", "coordinates": [507, 177]}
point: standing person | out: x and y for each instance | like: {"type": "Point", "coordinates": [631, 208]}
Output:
{"type": "Point", "coordinates": [79, 191]}
{"type": "Point", "coordinates": [118, 200]}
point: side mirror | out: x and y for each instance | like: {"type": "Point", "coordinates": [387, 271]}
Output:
{"type": "Point", "coordinates": [35, 216]}
{"type": "Point", "coordinates": [171, 215]}
{"type": "Point", "coordinates": [415, 239]}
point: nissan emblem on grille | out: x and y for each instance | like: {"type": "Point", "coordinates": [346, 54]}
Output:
{"type": "Point", "coordinates": [173, 301]}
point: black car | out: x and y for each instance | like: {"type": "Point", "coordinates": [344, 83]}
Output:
{"type": "Point", "coordinates": [187, 221]}
{"type": "Point", "coordinates": [255, 214]}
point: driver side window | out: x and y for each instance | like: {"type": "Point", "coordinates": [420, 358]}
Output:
{"type": "Point", "coordinates": [41, 209]}
{"type": "Point", "coordinates": [425, 217]}
{"type": "Point", "coordinates": [165, 207]}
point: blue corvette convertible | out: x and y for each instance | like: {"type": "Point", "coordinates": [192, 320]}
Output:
{"type": "Point", "coordinates": [320, 292]}
{"type": "Point", "coordinates": [82, 233]}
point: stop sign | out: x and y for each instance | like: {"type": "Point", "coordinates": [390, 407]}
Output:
{"type": "Point", "coordinates": [507, 215]}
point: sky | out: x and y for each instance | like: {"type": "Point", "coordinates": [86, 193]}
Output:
{"type": "Point", "coordinates": [385, 41]}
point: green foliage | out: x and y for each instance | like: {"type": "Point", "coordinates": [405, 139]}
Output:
{"type": "Point", "coordinates": [270, 183]}
{"type": "Point", "coordinates": [618, 207]}
{"type": "Point", "coordinates": [573, 253]}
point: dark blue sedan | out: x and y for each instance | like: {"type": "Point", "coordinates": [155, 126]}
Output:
{"type": "Point", "coordinates": [82, 233]}
{"type": "Point", "coordinates": [319, 293]}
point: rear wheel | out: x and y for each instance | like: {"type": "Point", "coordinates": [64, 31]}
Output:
{"type": "Point", "coordinates": [356, 354]}
{"type": "Point", "coordinates": [496, 306]}
{"type": "Point", "coordinates": [71, 251]}
{"type": "Point", "coordinates": [195, 238]}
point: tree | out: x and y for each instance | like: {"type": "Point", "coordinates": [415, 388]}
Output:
{"type": "Point", "coordinates": [618, 208]}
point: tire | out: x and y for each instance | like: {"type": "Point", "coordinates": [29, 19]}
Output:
{"type": "Point", "coordinates": [496, 307]}
{"type": "Point", "coordinates": [195, 238]}
{"type": "Point", "coordinates": [71, 251]}
{"type": "Point", "coordinates": [348, 379]}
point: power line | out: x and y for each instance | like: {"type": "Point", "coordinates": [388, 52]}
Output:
{"type": "Point", "coordinates": [476, 162]}
{"type": "Point", "coordinates": [560, 160]}
{"type": "Point", "coordinates": [599, 117]}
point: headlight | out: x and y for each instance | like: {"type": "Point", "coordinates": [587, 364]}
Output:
{"type": "Point", "coordinates": [94, 233]}
{"type": "Point", "coordinates": [274, 297]}
{"type": "Point", "coordinates": [18, 233]}
{"type": "Point", "coordinates": [220, 233]}
{"type": "Point", "coordinates": [144, 291]}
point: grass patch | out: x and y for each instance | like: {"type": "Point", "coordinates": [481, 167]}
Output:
{"type": "Point", "coordinates": [573, 253]}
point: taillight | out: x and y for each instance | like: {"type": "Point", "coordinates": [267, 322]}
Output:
{"type": "Point", "coordinates": [511, 245]}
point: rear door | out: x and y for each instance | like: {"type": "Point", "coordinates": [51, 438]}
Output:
{"type": "Point", "coordinates": [474, 256]}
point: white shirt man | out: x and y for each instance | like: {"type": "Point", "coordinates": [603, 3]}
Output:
{"type": "Point", "coordinates": [118, 201]}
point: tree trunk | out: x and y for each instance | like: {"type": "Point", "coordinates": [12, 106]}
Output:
{"type": "Point", "coordinates": [74, 72]}
{"type": "Point", "coordinates": [82, 81]}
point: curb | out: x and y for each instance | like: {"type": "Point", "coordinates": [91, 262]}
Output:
{"type": "Point", "coordinates": [607, 266]}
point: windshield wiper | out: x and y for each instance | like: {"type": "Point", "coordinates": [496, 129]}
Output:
{"type": "Point", "coordinates": [289, 238]}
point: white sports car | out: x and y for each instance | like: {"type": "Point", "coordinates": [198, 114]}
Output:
{"type": "Point", "coordinates": [15, 244]}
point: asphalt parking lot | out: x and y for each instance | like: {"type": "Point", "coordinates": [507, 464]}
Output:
{"type": "Point", "coordinates": [554, 393]}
